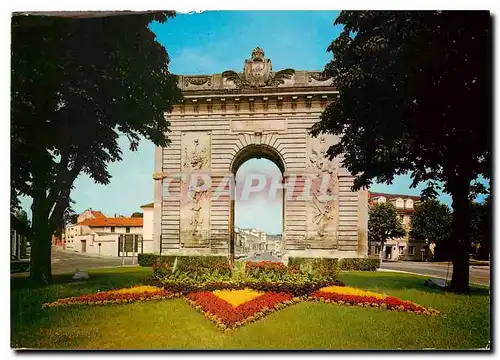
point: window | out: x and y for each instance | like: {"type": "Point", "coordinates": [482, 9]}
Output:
{"type": "Point", "coordinates": [377, 249]}
{"type": "Point", "coordinates": [127, 229]}
{"type": "Point", "coordinates": [411, 250]}
{"type": "Point", "coordinates": [401, 249]}
{"type": "Point", "coordinates": [112, 229]}
{"type": "Point", "coordinates": [400, 203]}
{"type": "Point", "coordinates": [409, 203]}
{"type": "Point", "coordinates": [130, 245]}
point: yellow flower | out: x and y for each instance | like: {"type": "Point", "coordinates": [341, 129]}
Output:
{"type": "Point", "coordinates": [346, 290]}
{"type": "Point", "coordinates": [136, 289]}
{"type": "Point", "coordinates": [237, 297]}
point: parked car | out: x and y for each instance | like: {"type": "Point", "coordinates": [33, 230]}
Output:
{"type": "Point", "coordinates": [19, 265]}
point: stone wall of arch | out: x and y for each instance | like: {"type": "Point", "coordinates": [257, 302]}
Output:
{"type": "Point", "coordinates": [311, 227]}
{"type": "Point", "coordinates": [222, 116]}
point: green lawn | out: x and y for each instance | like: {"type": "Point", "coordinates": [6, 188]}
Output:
{"type": "Point", "coordinates": [173, 324]}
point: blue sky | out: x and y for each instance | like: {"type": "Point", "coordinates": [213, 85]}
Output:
{"type": "Point", "coordinates": [211, 42]}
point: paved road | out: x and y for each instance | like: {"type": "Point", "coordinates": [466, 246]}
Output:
{"type": "Point", "coordinates": [478, 274]}
{"type": "Point", "coordinates": [66, 261]}
{"type": "Point", "coordinates": [265, 256]}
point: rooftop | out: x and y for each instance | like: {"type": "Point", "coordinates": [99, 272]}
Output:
{"type": "Point", "coordinates": [116, 222]}
{"type": "Point", "coordinates": [388, 196]}
{"type": "Point", "coordinates": [97, 214]}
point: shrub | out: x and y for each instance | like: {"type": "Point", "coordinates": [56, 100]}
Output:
{"type": "Point", "coordinates": [147, 259]}
{"type": "Point", "coordinates": [315, 267]}
{"type": "Point", "coordinates": [189, 274]}
{"type": "Point", "coordinates": [183, 260]}
{"type": "Point", "coordinates": [267, 270]}
{"type": "Point", "coordinates": [298, 286]}
{"type": "Point", "coordinates": [359, 264]}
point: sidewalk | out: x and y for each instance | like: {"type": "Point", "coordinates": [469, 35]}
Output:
{"type": "Point", "coordinates": [91, 255]}
{"type": "Point", "coordinates": [428, 275]}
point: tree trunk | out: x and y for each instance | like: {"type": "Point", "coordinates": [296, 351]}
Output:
{"type": "Point", "coordinates": [460, 237]}
{"type": "Point", "coordinates": [40, 262]}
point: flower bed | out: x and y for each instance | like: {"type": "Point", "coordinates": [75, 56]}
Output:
{"type": "Point", "coordinates": [296, 285]}
{"type": "Point", "coordinates": [180, 275]}
{"type": "Point", "coordinates": [358, 297]}
{"type": "Point", "coordinates": [137, 293]}
{"type": "Point", "coordinates": [227, 316]}
{"type": "Point", "coordinates": [265, 269]}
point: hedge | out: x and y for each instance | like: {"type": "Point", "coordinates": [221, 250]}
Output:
{"type": "Point", "coordinates": [183, 261]}
{"type": "Point", "coordinates": [334, 265]}
{"type": "Point", "coordinates": [324, 266]}
{"type": "Point", "coordinates": [186, 286]}
{"type": "Point", "coordinates": [327, 265]}
{"type": "Point", "coordinates": [360, 264]}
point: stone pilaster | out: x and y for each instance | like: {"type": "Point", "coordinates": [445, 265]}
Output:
{"type": "Point", "coordinates": [158, 195]}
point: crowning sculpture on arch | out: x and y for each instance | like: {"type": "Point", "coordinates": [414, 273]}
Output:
{"type": "Point", "coordinates": [226, 119]}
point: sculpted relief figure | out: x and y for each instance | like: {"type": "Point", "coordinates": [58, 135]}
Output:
{"type": "Point", "coordinates": [318, 158]}
{"type": "Point", "coordinates": [195, 211]}
{"type": "Point", "coordinates": [322, 208]}
{"type": "Point", "coordinates": [197, 159]}
{"type": "Point", "coordinates": [323, 216]}
{"type": "Point", "coordinates": [196, 219]}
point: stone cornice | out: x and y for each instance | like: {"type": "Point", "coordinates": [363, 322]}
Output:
{"type": "Point", "coordinates": [216, 83]}
{"type": "Point", "coordinates": [296, 91]}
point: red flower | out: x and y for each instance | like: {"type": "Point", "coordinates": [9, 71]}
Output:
{"type": "Point", "coordinates": [390, 302]}
{"type": "Point", "coordinates": [108, 296]}
{"type": "Point", "coordinates": [230, 315]}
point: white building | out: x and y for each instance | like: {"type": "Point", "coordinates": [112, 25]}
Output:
{"type": "Point", "coordinates": [147, 228]}
{"type": "Point", "coordinates": [116, 236]}
{"type": "Point", "coordinates": [251, 240]}
{"type": "Point", "coordinates": [401, 248]}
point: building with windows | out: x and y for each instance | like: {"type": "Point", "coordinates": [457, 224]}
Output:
{"type": "Point", "coordinates": [110, 236]}
{"type": "Point", "coordinates": [401, 248]}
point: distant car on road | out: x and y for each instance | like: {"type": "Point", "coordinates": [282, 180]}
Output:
{"type": "Point", "coordinates": [19, 265]}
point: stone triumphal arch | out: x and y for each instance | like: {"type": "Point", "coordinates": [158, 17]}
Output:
{"type": "Point", "coordinates": [226, 119]}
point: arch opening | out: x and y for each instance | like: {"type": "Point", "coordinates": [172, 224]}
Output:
{"type": "Point", "coordinates": [257, 218]}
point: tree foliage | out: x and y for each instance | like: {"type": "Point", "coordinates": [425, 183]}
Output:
{"type": "Point", "coordinates": [431, 221]}
{"type": "Point", "coordinates": [384, 224]}
{"type": "Point", "coordinates": [414, 95]}
{"type": "Point", "coordinates": [77, 85]}
{"type": "Point", "coordinates": [481, 228]}
{"type": "Point", "coordinates": [137, 215]}
{"type": "Point", "coordinates": [20, 222]}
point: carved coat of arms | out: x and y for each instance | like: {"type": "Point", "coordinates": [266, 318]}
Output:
{"type": "Point", "coordinates": [258, 72]}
